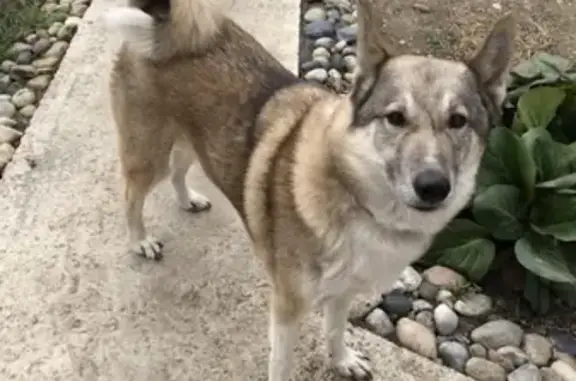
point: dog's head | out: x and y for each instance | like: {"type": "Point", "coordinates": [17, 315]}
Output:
{"type": "Point", "coordinates": [420, 123]}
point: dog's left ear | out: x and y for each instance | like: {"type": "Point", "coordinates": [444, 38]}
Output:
{"type": "Point", "coordinates": [372, 52]}
{"type": "Point", "coordinates": [492, 61]}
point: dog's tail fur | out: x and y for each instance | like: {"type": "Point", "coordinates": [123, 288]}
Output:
{"type": "Point", "coordinates": [160, 29]}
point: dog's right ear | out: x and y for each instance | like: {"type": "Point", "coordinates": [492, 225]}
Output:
{"type": "Point", "coordinates": [372, 53]}
{"type": "Point", "coordinates": [491, 62]}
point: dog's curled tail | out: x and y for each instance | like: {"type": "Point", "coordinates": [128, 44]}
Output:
{"type": "Point", "coordinates": [159, 29]}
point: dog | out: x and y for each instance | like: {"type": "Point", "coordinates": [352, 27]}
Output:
{"type": "Point", "coordinates": [338, 193]}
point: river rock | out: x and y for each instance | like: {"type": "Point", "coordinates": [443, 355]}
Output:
{"type": "Point", "coordinates": [538, 348]}
{"type": "Point", "coordinates": [416, 337]}
{"type": "Point", "coordinates": [484, 370]}
{"type": "Point", "coordinates": [497, 334]}
{"type": "Point", "coordinates": [446, 320]}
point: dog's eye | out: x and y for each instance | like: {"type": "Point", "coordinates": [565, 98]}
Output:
{"type": "Point", "coordinates": [396, 118]}
{"type": "Point", "coordinates": [457, 121]}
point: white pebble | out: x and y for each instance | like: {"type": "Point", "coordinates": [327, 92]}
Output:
{"type": "Point", "coordinates": [340, 45]}
{"type": "Point", "coordinates": [7, 109]}
{"type": "Point", "coordinates": [314, 14]}
{"type": "Point", "coordinates": [319, 75]}
{"type": "Point", "coordinates": [473, 305]}
{"type": "Point", "coordinates": [421, 305]}
{"type": "Point", "coordinates": [565, 371]}
{"type": "Point", "coordinates": [446, 320]}
{"type": "Point", "coordinates": [73, 21]}
{"type": "Point", "coordinates": [6, 153]}
{"type": "Point", "coordinates": [23, 97]}
{"type": "Point", "coordinates": [8, 134]}
{"type": "Point", "coordinates": [320, 52]}
{"type": "Point", "coordinates": [445, 296]}
{"type": "Point", "coordinates": [325, 42]}
{"type": "Point", "coordinates": [411, 279]}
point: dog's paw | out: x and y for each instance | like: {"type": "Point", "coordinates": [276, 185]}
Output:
{"type": "Point", "coordinates": [195, 203]}
{"type": "Point", "coordinates": [353, 365]}
{"type": "Point", "coordinates": [149, 248]}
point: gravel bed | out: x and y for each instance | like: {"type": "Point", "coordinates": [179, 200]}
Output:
{"type": "Point", "coordinates": [328, 35]}
{"type": "Point", "coordinates": [438, 313]}
{"type": "Point", "coordinates": [29, 69]}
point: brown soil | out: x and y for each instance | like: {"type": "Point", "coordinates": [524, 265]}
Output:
{"type": "Point", "coordinates": [453, 28]}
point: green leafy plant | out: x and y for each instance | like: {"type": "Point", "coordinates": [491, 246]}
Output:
{"type": "Point", "coordinates": [525, 201]}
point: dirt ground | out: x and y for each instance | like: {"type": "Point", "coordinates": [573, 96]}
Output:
{"type": "Point", "coordinates": [453, 28]}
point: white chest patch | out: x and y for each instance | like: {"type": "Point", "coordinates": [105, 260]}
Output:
{"type": "Point", "coordinates": [367, 261]}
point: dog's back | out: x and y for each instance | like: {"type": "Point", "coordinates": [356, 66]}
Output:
{"type": "Point", "coordinates": [185, 67]}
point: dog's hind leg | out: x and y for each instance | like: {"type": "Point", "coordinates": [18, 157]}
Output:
{"type": "Point", "coordinates": [181, 158]}
{"type": "Point", "coordinates": [144, 150]}
{"type": "Point", "coordinates": [285, 314]}
{"type": "Point", "coordinates": [344, 360]}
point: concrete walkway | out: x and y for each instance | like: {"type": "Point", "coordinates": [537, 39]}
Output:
{"type": "Point", "coordinates": [75, 306]}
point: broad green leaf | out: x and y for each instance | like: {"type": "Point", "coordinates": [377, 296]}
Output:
{"type": "Point", "coordinates": [530, 136]}
{"type": "Point", "coordinates": [567, 291]}
{"type": "Point", "coordinates": [458, 232]}
{"type": "Point", "coordinates": [500, 209]}
{"type": "Point", "coordinates": [507, 161]}
{"type": "Point", "coordinates": [537, 294]}
{"type": "Point", "coordinates": [555, 214]}
{"type": "Point", "coordinates": [551, 159]}
{"type": "Point", "coordinates": [565, 191]}
{"type": "Point", "coordinates": [552, 64]}
{"type": "Point", "coordinates": [542, 256]}
{"type": "Point", "coordinates": [567, 181]}
{"type": "Point", "coordinates": [540, 65]}
{"type": "Point", "coordinates": [537, 107]}
{"type": "Point", "coordinates": [517, 125]}
{"type": "Point", "coordinates": [463, 245]}
{"type": "Point", "coordinates": [547, 159]}
{"type": "Point", "coordinates": [473, 258]}
{"type": "Point", "coordinates": [514, 94]}
{"type": "Point", "coordinates": [541, 69]}
{"type": "Point", "coordinates": [526, 69]}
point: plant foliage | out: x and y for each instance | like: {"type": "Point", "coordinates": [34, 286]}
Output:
{"type": "Point", "coordinates": [526, 188]}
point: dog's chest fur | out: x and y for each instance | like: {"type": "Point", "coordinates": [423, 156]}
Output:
{"type": "Point", "coordinates": [365, 257]}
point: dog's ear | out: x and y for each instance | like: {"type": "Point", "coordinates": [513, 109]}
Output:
{"type": "Point", "coordinates": [372, 50]}
{"type": "Point", "coordinates": [492, 61]}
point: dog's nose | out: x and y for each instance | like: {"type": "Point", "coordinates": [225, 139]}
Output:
{"type": "Point", "coordinates": [431, 186]}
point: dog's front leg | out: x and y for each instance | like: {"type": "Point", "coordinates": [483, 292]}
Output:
{"type": "Point", "coordinates": [346, 361]}
{"type": "Point", "coordinates": [181, 158]}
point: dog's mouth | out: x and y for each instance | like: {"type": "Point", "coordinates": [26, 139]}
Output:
{"type": "Point", "coordinates": [427, 208]}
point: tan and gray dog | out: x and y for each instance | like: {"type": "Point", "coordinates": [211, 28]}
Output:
{"type": "Point", "coordinates": [338, 193]}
